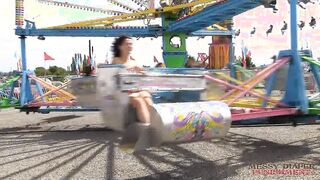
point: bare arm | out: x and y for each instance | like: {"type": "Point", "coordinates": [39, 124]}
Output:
{"type": "Point", "coordinates": [130, 65]}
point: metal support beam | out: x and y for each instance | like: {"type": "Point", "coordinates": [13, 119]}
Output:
{"type": "Point", "coordinates": [212, 33]}
{"type": "Point", "coordinates": [39, 89]}
{"type": "Point", "coordinates": [25, 91]}
{"type": "Point", "coordinates": [24, 69]}
{"type": "Point", "coordinates": [263, 113]}
{"type": "Point", "coordinates": [213, 14]}
{"type": "Point", "coordinates": [92, 32]}
{"type": "Point", "coordinates": [295, 87]}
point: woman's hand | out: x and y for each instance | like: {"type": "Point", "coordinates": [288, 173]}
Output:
{"type": "Point", "coordinates": [135, 69]}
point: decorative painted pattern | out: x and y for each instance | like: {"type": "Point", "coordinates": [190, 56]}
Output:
{"type": "Point", "coordinates": [193, 121]}
{"type": "Point", "coordinates": [19, 13]}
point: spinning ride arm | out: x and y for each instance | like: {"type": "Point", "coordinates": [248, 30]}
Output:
{"type": "Point", "coordinates": [82, 7]}
{"type": "Point", "coordinates": [134, 16]}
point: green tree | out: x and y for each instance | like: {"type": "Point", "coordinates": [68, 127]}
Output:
{"type": "Point", "coordinates": [61, 72]}
{"type": "Point", "coordinates": [53, 70]}
{"type": "Point", "coordinates": [40, 71]}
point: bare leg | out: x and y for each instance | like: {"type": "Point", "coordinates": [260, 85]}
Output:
{"type": "Point", "coordinates": [147, 97]}
{"type": "Point", "coordinates": [142, 109]}
{"type": "Point", "coordinates": [148, 101]}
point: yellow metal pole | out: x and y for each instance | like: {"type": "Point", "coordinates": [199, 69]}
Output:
{"type": "Point", "coordinates": [135, 16]}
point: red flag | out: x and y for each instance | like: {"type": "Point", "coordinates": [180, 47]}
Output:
{"type": "Point", "coordinates": [155, 60]}
{"type": "Point", "coordinates": [47, 57]}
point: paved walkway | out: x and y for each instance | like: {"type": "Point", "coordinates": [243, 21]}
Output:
{"type": "Point", "coordinates": [78, 146]}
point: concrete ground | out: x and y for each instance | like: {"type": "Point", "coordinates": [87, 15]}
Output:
{"type": "Point", "coordinates": [79, 146]}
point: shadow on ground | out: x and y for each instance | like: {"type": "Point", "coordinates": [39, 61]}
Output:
{"type": "Point", "coordinates": [38, 126]}
{"type": "Point", "coordinates": [60, 118]}
{"type": "Point", "coordinates": [251, 151]}
{"type": "Point", "coordinates": [61, 149]}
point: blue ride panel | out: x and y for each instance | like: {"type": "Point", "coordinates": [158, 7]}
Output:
{"type": "Point", "coordinates": [172, 97]}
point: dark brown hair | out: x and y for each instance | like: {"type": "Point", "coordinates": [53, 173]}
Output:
{"type": "Point", "coordinates": [116, 44]}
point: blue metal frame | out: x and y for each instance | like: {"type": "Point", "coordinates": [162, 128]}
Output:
{"type": "Point", "coordinates": [39, 88]}
{"type": "Point", "coordinates": [147, 31]}
{"type": "Point", "coordinates": [295, 85]}
{"type": "Point", "coordinates": [24, 74]}
{"type": "Point", "coordinates": [211, 33]}
{"type": "Point", "coordinates": [88, 32]}
{"type": "Point", "coordinates": [213, 14]}
{"type": "Point", "coordinates": [52, 109]}
{"type": "Point", "coordinates": [26, 95]}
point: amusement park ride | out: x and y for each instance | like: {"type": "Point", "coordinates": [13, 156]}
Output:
{"type": "Point", "coordinates": [182, 111]}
